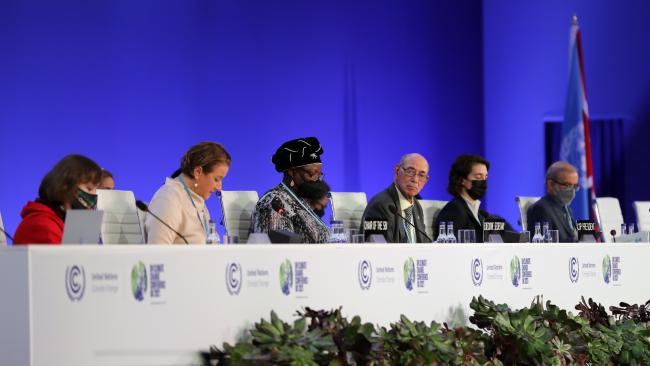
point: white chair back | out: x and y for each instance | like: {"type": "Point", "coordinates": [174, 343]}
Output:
{"type": "Point", "coordinates": [610, 216]}
{"type": "Point", "coordinates": [524, 203]}
{"type": "Point", "coordinates": [121, 222]}
{"type": "Point", "coordinates": [3, 237]}
{"type": "Point", "coordinates": [431, 210]}
{"type": "Point", "coordinates": [237, 208]}
{"type": "Point", "coordinates": [348, 207]}
{"type": "Point", "coordinates": [642, 209]}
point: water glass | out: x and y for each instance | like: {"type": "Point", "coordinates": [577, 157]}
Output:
{"type": "Point", "coordinates": [231, 239]}
{"type": "Point", "coordinates": [555, 236]}
{"type": "Point", "coordinates": [351, 234]}
{"type": "Point", "coordinates": [358, 239]}
{"type": "Point", "coordinates": [467, 236]}
{"type": "Point", "coordinates": [631, 228]}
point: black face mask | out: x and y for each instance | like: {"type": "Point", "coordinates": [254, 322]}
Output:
{"type": "Point", "coordinates": [313, 192]}
{"type": "Point", "coordinates": [319, 211]}
{"type": "Point", "coordinates": [479, 187]}
{"type": "Point", "coordinates": [88, 198]}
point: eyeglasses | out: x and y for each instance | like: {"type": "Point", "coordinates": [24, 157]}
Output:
{"type": "Point", "coordinates": [575, 187]}
{"type": "Point", "coordinates": [410, 172]}
{"type": "Point", "coordinates": [312, 176]}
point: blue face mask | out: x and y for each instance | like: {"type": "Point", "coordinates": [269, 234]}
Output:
{"type": "Point", "coordinates": [89, 200]}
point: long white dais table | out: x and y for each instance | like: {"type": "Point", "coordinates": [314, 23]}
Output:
{"type": "Point", "coordinates": [159, 305]}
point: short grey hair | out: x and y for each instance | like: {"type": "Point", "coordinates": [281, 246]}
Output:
{"type": "Point", "coordinates": [558, 167]}
{"type": "Point", "coordinates": [408, 156]}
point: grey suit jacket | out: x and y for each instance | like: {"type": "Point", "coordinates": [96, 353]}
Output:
{"type": "Point", "coordinates": [379, 208]}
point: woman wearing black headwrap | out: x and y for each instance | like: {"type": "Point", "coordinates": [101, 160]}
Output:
{"type": "Point", "coordinates": [287, 206]}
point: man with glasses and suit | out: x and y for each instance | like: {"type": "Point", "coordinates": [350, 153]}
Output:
{"type": "Point", "coordinates": [410, 176]}
{"type": "Point", "coordinates": [561, 188]}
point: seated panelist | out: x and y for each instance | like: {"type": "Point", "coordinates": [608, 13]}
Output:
{"type": "Point", "coordinates": [561, 188]}
{"type": "Point", "coordinates": [71, 184]}
{"type": "Point", "coordinates": [400, 199]}
{"type": "Point", "coordinates": [107, 182]}
{"type": "Point", "coordinates": [467, 184]}
{"type": "Point", "coordinates": [291, 205]}
{"type": "Point", "coordinates": [180, 202]}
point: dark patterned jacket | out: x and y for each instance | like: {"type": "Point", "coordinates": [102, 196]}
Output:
{"type": "Point", "coordinates": [297, 217]}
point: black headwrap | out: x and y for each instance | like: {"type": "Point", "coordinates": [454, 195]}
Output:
{"type": "Point", "coordinates": [298, 152]}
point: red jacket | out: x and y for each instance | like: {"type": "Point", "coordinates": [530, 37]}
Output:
{"type": "Point", "coordinates": [40, 225]}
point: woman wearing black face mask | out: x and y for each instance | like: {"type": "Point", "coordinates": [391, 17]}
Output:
{"type": "Point", "coordinates": [289, 205]}
{"type": "Point", "coordinates": [71, 184]}
{"type": "Point", "coordinates": [468, 184]}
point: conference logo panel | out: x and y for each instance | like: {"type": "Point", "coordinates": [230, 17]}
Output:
{"type": "Point", "coordinates": [75, 282]}
{"type": "Point", "coordinates": [521, 272]}
{"type": "Point", "coordinates": [78, 285]}
{"type": "Point", "coordinates": [147, 282]}
{"type": "Point", "coordinates": [415, 274]}
{"type": "Point", "coordinates": [482, 271]}
{"type": "Point", "coordinates": [364, 274]}
{"type": "Point", "coordinates": [293, 277]}
{"type": "Point", "coordinates": [612, 270]}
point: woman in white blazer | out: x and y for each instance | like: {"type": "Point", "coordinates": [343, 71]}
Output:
{"type": "Point", "coordinates": [180, 202]}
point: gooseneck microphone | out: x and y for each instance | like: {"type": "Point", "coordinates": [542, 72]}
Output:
{"type": "Point", "coordinates": [613, 234]}
{"type": "Point", "coordinates": [394, 210]}
{"type": "Point", "coordinates": [144, 207]}
{"type": "Point", "coordinates": [7, 234]}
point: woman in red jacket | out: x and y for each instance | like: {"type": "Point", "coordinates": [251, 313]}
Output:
{"type": "Point", "coordinates": [72, 183]}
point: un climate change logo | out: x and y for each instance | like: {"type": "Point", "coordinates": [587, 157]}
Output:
{"type": "Point", "coordinates": [75, 282]}
{"type": "Point", "coordinates": [607, 269]}
{"type": "Point", "coordinates": [139, 281]}
{"type": "Point", "coordinates": [574, 269]}
{"type": "Point", "coordinates": [365, 274]}
{"type": "Point", "coordinates": [233, 278]}
{"type": "Point", "coordinates": [515, 271]}
{"type": "Point", "coordinates": [409, 273]}
{"type": "Point", "coordinates": [286, 276]}
{"type": "Point", "coordinates": [477, 271]}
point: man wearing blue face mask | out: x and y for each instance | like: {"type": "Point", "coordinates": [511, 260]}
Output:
{"type": "Point", "coordinates": [561, 187]}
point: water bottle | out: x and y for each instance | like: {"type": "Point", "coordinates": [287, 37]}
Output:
{"type": "Point", "coordinates": [338, 234]}
{"type": "Point", "coordinates": [451, 238]}
{"type": "Point", "coordinates": [442, 233]}
{"type": "Point", "coordinates": [538, 238]}
{"type": "Point", "coordinates": [213, 235]}
{"type": "Point", "coordinates": [546, 233]}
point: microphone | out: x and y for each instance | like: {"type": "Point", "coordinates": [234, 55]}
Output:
{"type": "Point", "coordinates": [7, 234]}
{"type": "Point", "coordinates": [613, 234]}
{"type": "Point", "coordinates": [394, 210]}
{"type": "Point", "coordinates": [276, 205]}
{"type": "Point", "coordinates": [143, 207]}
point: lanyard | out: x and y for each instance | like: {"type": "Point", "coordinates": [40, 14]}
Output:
{"type": "Point", "coordinates": [203, 222]}
{"type": "Point", "coordinates": [309, 210]}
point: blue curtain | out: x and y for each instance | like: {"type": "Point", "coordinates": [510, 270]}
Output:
{"type": "Point", "coordinates": [608, 157]}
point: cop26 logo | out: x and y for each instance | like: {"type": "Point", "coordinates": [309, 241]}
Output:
{"type": "Point", "coordinates": [476, 270]}
{"type": "Point", "coordinates": [364, 273]}
{"type": "Point", "coordinates": [75, 282]}
{"type": "Point", "coordinates": [515, 271]}
{"type": "Point", "coordinates": [574, 269]}
{"type": "Point", "coordinates": [607, 269]}
{"type": "Point", "coordinates": [139, 281]}
{"type": "Point", "coordinates": [409, 273]}
{"type": "Point", "coordinates": [286, 276]}
{"type": "Point", "coordinates": [233, 278]}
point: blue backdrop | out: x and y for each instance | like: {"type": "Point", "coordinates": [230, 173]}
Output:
{"type": "Point", "coordinates": [132, 84]}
